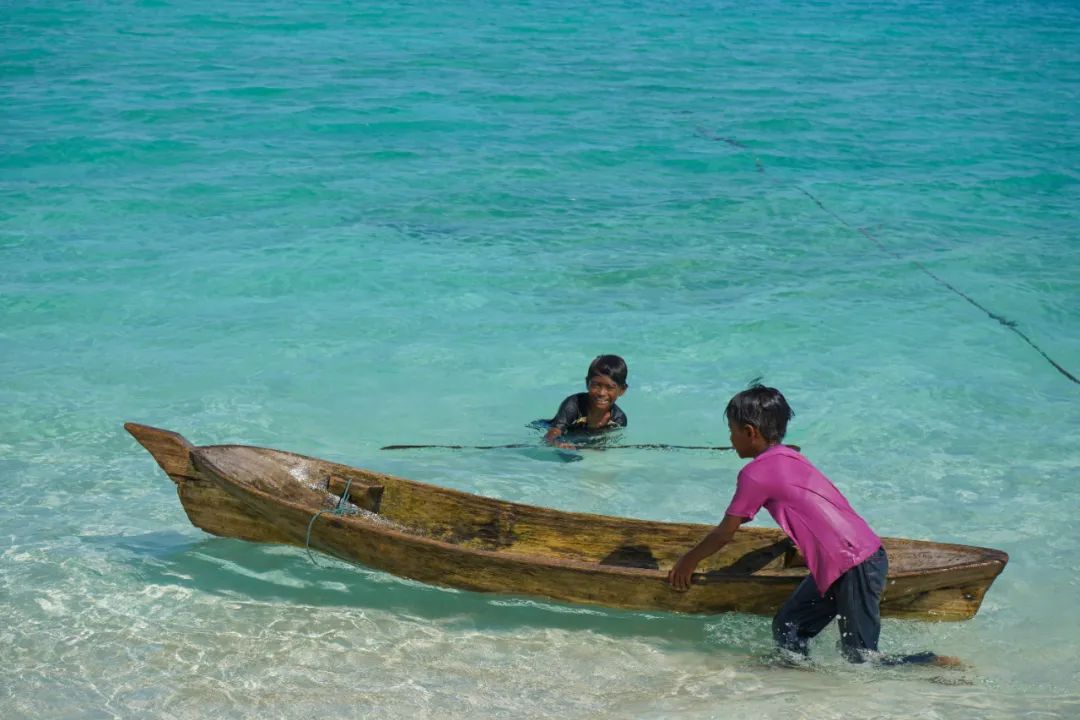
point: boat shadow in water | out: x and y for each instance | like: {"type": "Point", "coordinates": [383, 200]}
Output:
{"type": "Point", "coordinates": [238, 570]}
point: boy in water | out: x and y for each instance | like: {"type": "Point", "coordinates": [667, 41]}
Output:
{"type": "Point", "coordinates": [847, 563]}
{"type": "Point", "coordinates": [594, 411]}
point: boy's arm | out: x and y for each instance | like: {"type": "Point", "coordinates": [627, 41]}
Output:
{"type": "Point", "coordinates": [567, 412]}
{"type": "Point", "coordinates": [680, 575]}
{"type": "Point", "coordinates": [552, 438]}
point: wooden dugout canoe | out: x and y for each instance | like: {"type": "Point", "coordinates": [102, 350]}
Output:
{"type": "Point", "coordinates": [456, 539]}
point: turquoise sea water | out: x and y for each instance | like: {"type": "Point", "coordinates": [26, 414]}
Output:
{"type": "Point", "coordinates": [330, 226]}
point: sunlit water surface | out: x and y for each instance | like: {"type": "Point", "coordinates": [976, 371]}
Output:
{"type": "Point", "coordinates": [327, 227]}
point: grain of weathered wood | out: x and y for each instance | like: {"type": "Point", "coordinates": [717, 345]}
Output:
{"type": "Point", "coordinates": [456, 539]}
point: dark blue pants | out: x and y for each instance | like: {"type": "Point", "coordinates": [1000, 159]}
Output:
{"type": "Point", "coordinates": [854, 598]}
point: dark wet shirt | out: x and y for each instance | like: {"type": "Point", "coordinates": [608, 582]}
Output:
{"type": "Point", "coordinates": [573, 416]}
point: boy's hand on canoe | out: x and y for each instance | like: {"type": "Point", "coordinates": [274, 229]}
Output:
{"type": "Point", "coordinates": [681, 575]}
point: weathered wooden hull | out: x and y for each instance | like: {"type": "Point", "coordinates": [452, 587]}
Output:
{"type": "Point", "coordinates": [455, 539]}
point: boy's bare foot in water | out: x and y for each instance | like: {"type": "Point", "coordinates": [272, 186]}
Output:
{"type": "Point", "coordinates": [948, 661]}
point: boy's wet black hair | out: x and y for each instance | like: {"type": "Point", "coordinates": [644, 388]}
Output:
{"type": "Point", "coordinates": [763, 407]}
{"type": "Point", "coordinates": [611, 366]}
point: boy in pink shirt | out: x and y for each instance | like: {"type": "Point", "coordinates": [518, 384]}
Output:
{"type": "Point", "coordinates": [847, 563]}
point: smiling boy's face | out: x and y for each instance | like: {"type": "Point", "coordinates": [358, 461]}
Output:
{"type": "Point", "coordinates": [603, 391]}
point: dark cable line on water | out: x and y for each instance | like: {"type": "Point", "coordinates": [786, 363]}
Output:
{"type": "Point", "coordinates": [639, 446]}
{"type": "Point", "coordinates": [1005, 322]}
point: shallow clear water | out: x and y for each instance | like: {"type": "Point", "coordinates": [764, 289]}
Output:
{"type": "Point", "coordinates": [329, 227]}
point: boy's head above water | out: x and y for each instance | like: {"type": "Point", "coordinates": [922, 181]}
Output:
{"type": "Point", "coordinates": [757, 418]}
{"type": "Point", "coordinates": [612, 367]}
{"type": "Point", "coordinates": [605, 381]}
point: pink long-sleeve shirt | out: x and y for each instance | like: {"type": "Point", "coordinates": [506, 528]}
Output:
{"type": "Point", "coordinates": [809, 508]}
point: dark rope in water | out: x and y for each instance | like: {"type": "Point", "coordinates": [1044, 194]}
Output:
{"type": "Point", "coordinates": [640, 446]}
{"type": "Point", "coordinates": [1005, 322]}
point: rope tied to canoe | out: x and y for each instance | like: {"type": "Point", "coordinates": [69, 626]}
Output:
{"type": "Point", "coordinates": [342, 508]}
